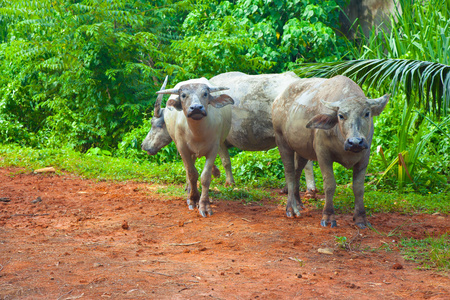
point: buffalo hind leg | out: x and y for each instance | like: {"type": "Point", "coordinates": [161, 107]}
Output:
{"type": "Point", "coordinates": [311, 189]}
{"type": "Point", "coordinates": [300, 164]}
{"type": "Point", "coordinates": [226, 162]}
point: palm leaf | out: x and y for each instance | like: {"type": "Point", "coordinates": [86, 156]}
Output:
{"type": "Point", "coordinates": [426, 84]}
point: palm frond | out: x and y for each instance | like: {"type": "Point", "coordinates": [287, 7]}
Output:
{"type": "Point", "coordinates": [426, 84]}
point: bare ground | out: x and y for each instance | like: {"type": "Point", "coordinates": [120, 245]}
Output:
{"type": "Point", "coordinates": [100, 240]}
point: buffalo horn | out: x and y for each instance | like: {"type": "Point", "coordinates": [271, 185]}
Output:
{"type": "Point", "coordinates": [331, 105]}
{"type": "Point", "coordinates": [217, 89]}
{"type": "Point", "coordinates": [170, 91]}
{"type": "Point", "coordinates": [157, 112]}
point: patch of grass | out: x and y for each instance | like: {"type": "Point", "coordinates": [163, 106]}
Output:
{"type": "Point", "coordinates": [239, 194]}
{"type": "Point", "coordinates": [89, 165]}
{"type": "Point", "coordinates": [172, 190]}
{"type": "Point", "coordinates": [430, 253]}
{"type": "Point", "coordinates": [381, 201]}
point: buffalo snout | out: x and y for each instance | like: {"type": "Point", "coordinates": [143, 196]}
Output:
{"type": "Point", "coordinates": [150, 151]}
{"type": "Point", "coordinates": [196, 111]}
{"type": "Point", "coordinates": [356, 144]}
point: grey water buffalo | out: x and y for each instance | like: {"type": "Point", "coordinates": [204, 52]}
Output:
{"type": "Point", "coordinates": [326, 120]}
{"type": "Point", "coordinates": [198, 123]}
{"type": "Point", "coordinates": [251, 122]}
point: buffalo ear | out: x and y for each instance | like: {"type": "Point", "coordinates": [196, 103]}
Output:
{"type": "Point", "coordinates": [322, 121]}
{"type": "Point", "coordinates": [174, 103]}
{"type": "Point", "coordinates": [221, 100]}
{"type": "Point", "coordinates": [377, 105]}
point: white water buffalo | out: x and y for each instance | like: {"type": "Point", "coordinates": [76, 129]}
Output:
{"type": "Point", "coordinates": [326, 120]}
{"type": "Point", "coordinates": [198, 123]}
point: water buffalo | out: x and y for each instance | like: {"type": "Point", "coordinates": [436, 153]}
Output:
{"type": "Point", "coordinates": [198, 123]}
{"type": "Point", "coordinates": [251, 127]}
{"type": "Point", "coordinates": [251, 122]}
{"type": "Point", "coordinates": [326, 120]}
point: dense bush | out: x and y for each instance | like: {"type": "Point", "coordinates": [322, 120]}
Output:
{"type": "Point", "coordinates": [78, 73]}
{"type": "Point", "coordinates": [258, 36]}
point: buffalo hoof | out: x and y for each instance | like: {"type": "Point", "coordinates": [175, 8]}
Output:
{"type": "Point", "coordinates": [296, 213]}
{"type": "Point", "coordinates": [291, 211]}
{"type": "Point", "coordinates": [324, 223]}
{"type": "Point", "coordinates": [363, 226]}
{"type": "Point", "coordinates": [203, 213]}
{"type": "Point", "coordinates": [191, 207]}
{"type": "Point", "coordinates": [310, 194]}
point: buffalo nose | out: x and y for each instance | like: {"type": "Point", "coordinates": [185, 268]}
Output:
{"type": "Point", "coordinates": [355, 141]}
{"type": "Point", "coordinates": [196, 107]}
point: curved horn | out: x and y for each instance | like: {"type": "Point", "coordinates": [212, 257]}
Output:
{"type": "Point", "coordinates": [170, 91]}
{"type": "Point", "coordinates": [331, 105]}
{"type": "Point", "coordinates": [157, 112]}
{"type": "Point", "coordinates": [213, 89]}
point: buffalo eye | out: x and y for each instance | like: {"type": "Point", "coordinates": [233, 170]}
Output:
{"type": "Point", "coordinates": [183, 95]}
{"type": "Point", "coordinates": [367, 114]}
{"type": "Point", "coordinates": [205, 94]}
{"type": "Point", "coordinates": [341, 116]}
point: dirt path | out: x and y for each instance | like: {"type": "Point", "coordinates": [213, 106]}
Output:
{"type": "Point", "coordinates": [88, 240]}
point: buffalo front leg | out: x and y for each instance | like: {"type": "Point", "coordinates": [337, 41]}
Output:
{"type": "Point", "coordinates": [292, 184]}
{"type": "Point", "coordinates": [204, 204]}
{"type": "Point", "coordinates": [329, 186]}
{"type": "Point", "coordinates": [359, 215]}
{"type": "Point", "coordinates": [192, 177]}
{"type": "Point", "coordinates": [226, 162]}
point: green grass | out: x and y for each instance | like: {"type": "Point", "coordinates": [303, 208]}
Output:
{"type": "Point", "coordinates": [88, 165]}
{"type": "Point", "coordinates": [429, 253]}
{"type": "Point", "coordinates": [382, 201]}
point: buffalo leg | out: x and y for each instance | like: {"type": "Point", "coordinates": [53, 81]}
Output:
{"type": "Point", "coordinates": [204, 204]}
{"type": "Point", "coordinates": [359, 215]}
{"type": "Point", "coordinates": [311, 189]}
{"type": "Point", "coordinates": [226, 162]}
{"type": "Point", "coordinates": [329, 186]}
{"type": "Point", "coordinates": [292, 182]}
{"type": "Point", "coordinates": [192, 177]}
{"type": "Point", "coordinates": [300, 166]}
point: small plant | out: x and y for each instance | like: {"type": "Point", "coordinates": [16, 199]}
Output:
{"type": "Point", "coordinates": [341, 241]}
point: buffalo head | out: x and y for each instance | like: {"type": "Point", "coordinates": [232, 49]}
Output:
{"type": "Point", "coordinates": [193, 99]}
{"type": "Point", "coordinates": [158, 136]}
{"type": "Point", "coordinates": [353, 116]}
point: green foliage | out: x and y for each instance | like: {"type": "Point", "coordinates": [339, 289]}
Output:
{"type": "Point", "coordinates": [257, 36]}
{"type": "Point", "coordinates": [78, 74]}
{"type": "Point", "coordinates": [430, 253]}
{"type": "Point", "coordinates": [409, 58]}
{"type": "Point", "coordinates": [260, 168]}
{"type": "Point", "coordinates": [426, 84]}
